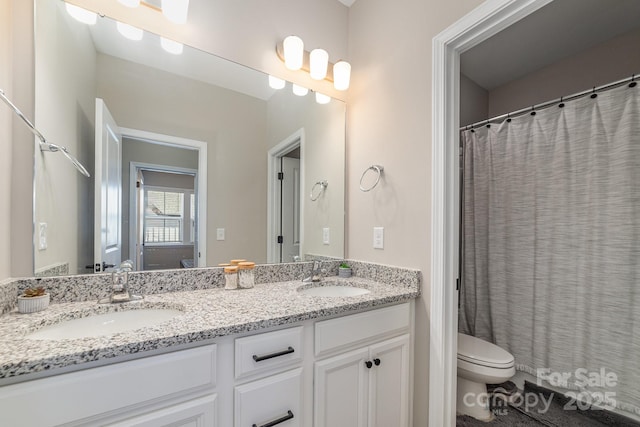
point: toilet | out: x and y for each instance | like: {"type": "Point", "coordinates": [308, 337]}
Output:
{"type": "Point", "coordinates": [480, 363]}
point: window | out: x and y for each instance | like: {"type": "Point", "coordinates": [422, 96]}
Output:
{"type": "Point", "coordinates": [169, 216]}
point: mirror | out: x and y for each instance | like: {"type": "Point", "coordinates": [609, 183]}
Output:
{"type": "Point", "coordinates": [192, 116]}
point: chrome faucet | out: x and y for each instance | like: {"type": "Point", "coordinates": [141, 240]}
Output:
{"type": "Point", "coordinates": [120, 285]}
{"type": "Point", "coordinates": [316, 272]}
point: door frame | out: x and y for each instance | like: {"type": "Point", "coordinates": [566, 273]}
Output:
{"type": "Point", "coordinates": [293, 141]}
{"type": "Point", "coordinates": [486, 20]}
{"type": "Point", "coordinates": [201, 181]}
{"type": "Point", "coordinates": [134, 167]}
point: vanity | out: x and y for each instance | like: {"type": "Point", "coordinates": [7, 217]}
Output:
{"type": "Point", "coordinates": [267, 356]}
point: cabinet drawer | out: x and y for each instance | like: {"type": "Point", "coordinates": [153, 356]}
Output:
{"type": "Point", "coordinates": [123, 386]}
{"type": "Point", "coordinates": [357, 329]}
{"type": "Point", "coordinates": [275, 400]}
{"type": "Point", "coordinates": [268, 351]}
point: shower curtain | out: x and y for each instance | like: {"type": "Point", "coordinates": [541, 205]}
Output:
{"type": "Point", "coordinates": [551, 243]}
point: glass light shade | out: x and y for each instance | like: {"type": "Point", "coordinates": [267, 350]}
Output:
{"type": "Point", "coordinates": [300, 90]}
{"type": "Point", "coordinates": [82, 15]}
{"type": "Point", "coordinates": [171, 46]}
{"type": "Point", "coordinates": [276, 83]}
{"type": "Point", "coordinates": [175, 10]}
{"type": "Point", "coordinates": [293, 52]}
{"type": "Point", "coordinates": [318, 60]}
{"type": "Point", "coordinates": [130, 3]}
{"type": "Point", "coordinates": [129, 31]}
{"type": "Point", "coordinates": [341, 75]}
{"type": "Point", "coordinates": [321, 98]}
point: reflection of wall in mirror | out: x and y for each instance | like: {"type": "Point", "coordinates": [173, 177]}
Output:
{"type": "Point", "coordinates": [323, 159]}
{"type": "Point", "coordinates": [232, 124]}
{"type": "Point", "coordinates": [65, 90]}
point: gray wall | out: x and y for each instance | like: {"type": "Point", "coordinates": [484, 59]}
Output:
{"type": "Point", "coordinates": [474, 102]}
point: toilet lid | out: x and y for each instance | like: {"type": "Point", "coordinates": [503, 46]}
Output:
{"type": "Point", "coordinates": [481, 352]}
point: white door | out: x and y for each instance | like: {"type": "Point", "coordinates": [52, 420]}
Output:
{"type": "Point", "coordinates": [341, 390]}
{"type": "Point", "coordinates": [108, 188]}
{"type": "Point", "coordinates": [290, 213]}
{"type": "Point", "coordinates": [389, 383]}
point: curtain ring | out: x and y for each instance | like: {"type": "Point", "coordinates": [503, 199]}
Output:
{"type": "Point", "coordinates": [323, 185]}
{"type": "Point", "coordinates": [593, 93]}
{"type": "Point", "coordinates": [561, 105]}
{"type": "Point", "coordinates": [633, 81]}
{"type": "Point", "coordinates": [533, 110]}
{"type": "Point", "coordinates": [376, 168]}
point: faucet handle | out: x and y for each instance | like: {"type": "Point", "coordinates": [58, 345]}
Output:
{"type": "Point", "coordinates": [126, 265]}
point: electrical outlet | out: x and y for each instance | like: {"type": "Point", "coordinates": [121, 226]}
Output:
{"type": "Point", "coordinates": [325, 236]}
{"type": "Point", "coordinates": [219, 233]}
{"type": "Point", "coordinates": [378, 237]}
{"type": "Point", "coordinates": [42, 236]}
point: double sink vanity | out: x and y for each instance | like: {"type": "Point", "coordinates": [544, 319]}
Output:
{"type": "Point", "coordinates": [333, 353]}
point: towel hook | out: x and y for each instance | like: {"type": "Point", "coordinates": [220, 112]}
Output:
{"type": "Point", "coordinates": [376, 168]}
{"type": "Point", "coordinates": [323, 185]}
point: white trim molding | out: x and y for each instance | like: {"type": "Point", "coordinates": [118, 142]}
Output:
{"type": "Point", "coordinates": [486, 20]}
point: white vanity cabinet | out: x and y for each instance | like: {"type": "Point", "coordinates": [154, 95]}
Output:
{"type": "Point", "coordinates": [169, 389]}
{"type": "Point", "coordinates": [368, 386]}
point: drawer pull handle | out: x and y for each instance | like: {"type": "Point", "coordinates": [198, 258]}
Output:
{"type": "Point", "coordinates": [277, 421]}
{"type": "Point", "coordinates": [257, 358]}
{"type": "Point", "coordinates": [376, 361]}
{"type": "Point", "coordinates": [368, 364]}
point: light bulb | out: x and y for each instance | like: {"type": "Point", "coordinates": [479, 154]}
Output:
{"type": "Point", "coordinates": [276, 83]}
{"type": "Point", "coordinates": [175, 10]}
{"type": "Point", "coordinates": [171, 46]}
{"type": "Point", "coordinates": [318, 60]}
{"type": "Point", "coordinates": [341, 75]}
{"type": "Point", "coordinates": [321, 98]}
{"type": "Point", "coordinates": [300, 90]}
{"type": "Point", "coordinates": [82, 15]}
{"type": "Point", "coordinates": [130, 3]}
{"type": "Point", "coordinates": [129, 31]}
{"type": "Point", "coordinates": [293, 52]}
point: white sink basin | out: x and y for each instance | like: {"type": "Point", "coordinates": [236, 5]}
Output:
{"type": "Point", "coordinates": [104, 324]}
{"type": "Point", "coordinates": [332, 290]}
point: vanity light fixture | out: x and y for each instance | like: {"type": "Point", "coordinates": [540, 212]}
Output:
{"type": "Point", "coordinates": [129, 31]}
{"type": "Point", "coordinates": [130, 3]}
{"type": "Point", "coordinates": [276, 83]}
{"type": "Point", "coordinates": [291, 52]}
{"type": "Point", "coordinates": [175, 10]}
{"type": "Point", "coordinates": [82, 15]}
{"type": "Point", "coordinates": [293, 48]}
{"type": "Point", "coordinates": [318, 61]}
{"type": "Point", "coordinates": [300, 90]}
{"type": "Point", "coordinates": [171, 46]}
{"type": "Point", "coordinates": [321, 98]}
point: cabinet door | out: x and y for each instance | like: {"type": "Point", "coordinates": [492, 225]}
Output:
{"type": "Point", "coordinates": [389, 383]}
{"type": "Point", "coordinates": [340, 390]}
{"type": "Point", "coordinates": [199, 412]}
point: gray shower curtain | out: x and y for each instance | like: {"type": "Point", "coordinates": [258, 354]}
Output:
{"type": "Point", "coordinates": [551, 242]}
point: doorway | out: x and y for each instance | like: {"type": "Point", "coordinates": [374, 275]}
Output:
{"type": "Point", "coordinates": [284, 199]}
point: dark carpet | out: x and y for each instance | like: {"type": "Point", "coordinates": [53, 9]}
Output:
{"type": "Point", "coordinates": [538, 406]}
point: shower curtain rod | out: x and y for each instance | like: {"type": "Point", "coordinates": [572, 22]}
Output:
{"type": "Point", "coordinates": [543, 105]}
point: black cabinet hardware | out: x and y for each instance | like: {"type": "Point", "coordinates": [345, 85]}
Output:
{"type": "Point", "coordinates": [276, 421]}
{"type": "Point", "coordinates": [257, 358]}
{"type": "Point", "coordinates": [376, 361]}
{"type": "Point", "coordinates": [369, 364]}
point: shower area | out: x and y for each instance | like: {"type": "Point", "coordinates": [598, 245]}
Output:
{"type": "Point", "coordinates": [550, 223]}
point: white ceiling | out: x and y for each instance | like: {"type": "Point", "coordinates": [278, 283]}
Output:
{"type": "Point", "coordinates": [558, 30]}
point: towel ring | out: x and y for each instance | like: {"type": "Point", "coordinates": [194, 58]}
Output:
{"type": "Point", "coordinates": [376, 168]}
{"type": "Point", "coordinates": [323, 185]}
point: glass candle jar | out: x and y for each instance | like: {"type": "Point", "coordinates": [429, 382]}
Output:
{"type": "Point", "coordinates": [231, 277]}
{"type": "Point", "coordinates": [246, 278]}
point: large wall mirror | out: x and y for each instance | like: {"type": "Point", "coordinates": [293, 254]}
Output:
{"type": "Point", "coordinates": [202, 143]}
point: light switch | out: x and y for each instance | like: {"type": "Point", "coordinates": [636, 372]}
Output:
{"type": "Point", "coordinates": [219, 233]}
{"type": "Point", "coordinates": [325, 236]}
{"type": "Point", "coordinates": [42, 236]}
{"type": "Point", "coordinates": [378, 237]}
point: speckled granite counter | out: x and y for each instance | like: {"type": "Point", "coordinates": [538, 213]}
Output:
{"type": "Point", "coordinates": [208, 313]}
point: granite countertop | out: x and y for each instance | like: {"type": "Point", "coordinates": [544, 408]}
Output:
{"type": "Point", "coordinates": [207, 314]}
